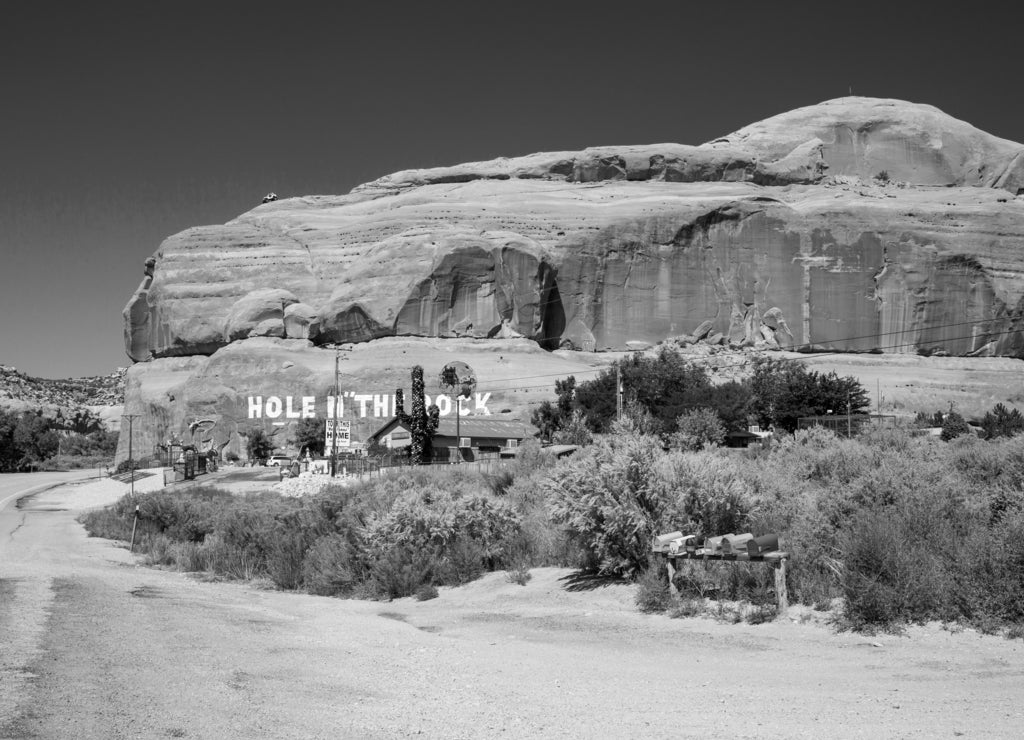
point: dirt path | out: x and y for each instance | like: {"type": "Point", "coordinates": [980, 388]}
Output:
{"type": "Point", "coordinates": [96, 646]}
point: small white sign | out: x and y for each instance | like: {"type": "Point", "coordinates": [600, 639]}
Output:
{"type": "Point", "coordinates": [344, 434]}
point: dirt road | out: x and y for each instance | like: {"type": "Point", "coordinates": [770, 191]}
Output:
{"type": "Point", "coordinates": [96, 646]}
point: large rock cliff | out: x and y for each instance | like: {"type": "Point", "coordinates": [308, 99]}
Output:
{"type": "Point", "coordinates": [854, 225]}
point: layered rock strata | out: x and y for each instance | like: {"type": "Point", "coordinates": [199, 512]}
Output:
{"type": "Point", "coordinates": [854, 225]}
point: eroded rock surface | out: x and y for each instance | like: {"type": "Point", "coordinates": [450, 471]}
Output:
{"type": "Point", "coordinates": [857, 224]}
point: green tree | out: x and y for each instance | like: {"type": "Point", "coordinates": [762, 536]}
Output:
{"type": "Point", "coordinates": [9, 453]}
{"type": "Point", "coordinates": [1002, 422]}
{"type": "Point", "coordinates": [259, 446]}
{"type": "Point", "coordinates": [785, 390]}
{"type": "Point", "coordinates": [663, 386]}
{"type": "Point", "coordinates": [310, 435]}
{"type": "Point", "coordinates": [954, 426]}
{"type": "Point", "coordinates": [34, 439]}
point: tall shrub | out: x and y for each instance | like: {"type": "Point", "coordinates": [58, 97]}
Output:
{"type": "Point", "coordinates": [610, 499]}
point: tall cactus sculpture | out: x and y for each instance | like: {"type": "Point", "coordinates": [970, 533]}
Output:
{"type": "Point", "coordinates": [423, 423]}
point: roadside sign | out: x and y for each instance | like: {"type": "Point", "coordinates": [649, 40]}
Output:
{"type": "Point", "coordinates": [344, 434]}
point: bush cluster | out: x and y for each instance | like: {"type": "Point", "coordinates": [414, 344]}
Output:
{"type": "Point", "coordinates": [394, 537]}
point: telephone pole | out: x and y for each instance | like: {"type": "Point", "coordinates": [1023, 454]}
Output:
{"type": "Point", "coordinates": [334, 422]}
{"type": "Point", "coordinates": [618, 391]}
{"type": "Point", "coordinates": [849, 433]}
{"type": "Point", "coordinates": [131, 428]}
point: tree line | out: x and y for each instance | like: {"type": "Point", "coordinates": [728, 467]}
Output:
{"type": "Point", "coordinates": [672, 395]}
{"type": "Point", "coordinates": [30, 439]}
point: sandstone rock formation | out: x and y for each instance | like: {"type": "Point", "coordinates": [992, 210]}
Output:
{"type": "Point", "coordinates": [854, 225]}
{"type": "Point", "coordinates": [779, 222]}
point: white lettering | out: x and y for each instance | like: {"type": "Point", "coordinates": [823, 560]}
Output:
{"type": "Point", "coordinates": [459, 400]}
{"type": "Point", "coordinates": [308, 407]}
{"type": "Point", "coordinates": [289, 411]}
{"type": "Point", "coordinates": [380, 405]}
{"type": "Point", "coordinates": [480, 406]}
{"type": "Point", "coordinates": [273, 407]}
{"type": "Point", "coordinates": [444, 405]}
{"type": "Point", "coordinates": [362, 399]}
{"type": "Point", "coordinates": [255, 407]}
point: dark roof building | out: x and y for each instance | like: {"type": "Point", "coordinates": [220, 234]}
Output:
{"type": "Point", "coordinates": [476, 435]}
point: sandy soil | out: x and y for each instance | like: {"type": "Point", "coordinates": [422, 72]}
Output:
{"type": "Point", "coordinates": [98, 646]}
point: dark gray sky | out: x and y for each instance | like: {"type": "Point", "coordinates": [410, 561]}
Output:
{"type": "Point", "coordinates": [123, 123]}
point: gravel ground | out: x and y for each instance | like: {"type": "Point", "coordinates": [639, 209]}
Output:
{"type": "Point", "coordinates": [98, 646]}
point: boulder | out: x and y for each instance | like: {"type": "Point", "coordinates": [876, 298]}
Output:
{"type": "Point", "coordinates": [301, 321]}
{"type": "Point", "coordinates": [259, 313]}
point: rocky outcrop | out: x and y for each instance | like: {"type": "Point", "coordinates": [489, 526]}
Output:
{"type": "Point", "coordinates": [101, 395]}
{"type": "Point", "coordinates": [853, 225]}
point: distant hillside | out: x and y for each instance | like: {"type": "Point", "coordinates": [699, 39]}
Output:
{"type": "Point", "coordinates": [23, 391]}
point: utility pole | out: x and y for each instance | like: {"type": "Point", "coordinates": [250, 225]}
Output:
{"type": "Point", "coordinates": [849, 434]}
{"type": "Point", "coordinates": [458, 431]}
{"type": "Point", "coordinates": [618, 391]}
{"type": "Point", "coordinates": [131, 428]}
{"type": "Point", "coordinates": [334, 423]}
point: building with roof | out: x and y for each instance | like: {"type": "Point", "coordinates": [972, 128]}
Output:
{"type": "Point", "coordinates": [478, 436]}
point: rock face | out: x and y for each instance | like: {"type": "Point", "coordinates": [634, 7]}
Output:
{"type": "Point", "coordinates": [854, 225]}
{"type": "Point", "coordinates": [857, 224]}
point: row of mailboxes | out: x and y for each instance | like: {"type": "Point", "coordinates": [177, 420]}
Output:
{"type": "Point", "coordinates": [677, 543]}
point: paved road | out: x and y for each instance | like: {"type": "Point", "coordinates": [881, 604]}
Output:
{"type": "Point", "coordinates": [16, 485]}
{"type": "Point", "coordinates": [95, 645]}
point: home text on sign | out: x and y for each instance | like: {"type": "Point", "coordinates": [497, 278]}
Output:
{"type": "Point", "coordinates": [344, 433]}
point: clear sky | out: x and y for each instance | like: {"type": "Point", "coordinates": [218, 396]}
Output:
{"type": "Point", "coordinates": [123, 123]}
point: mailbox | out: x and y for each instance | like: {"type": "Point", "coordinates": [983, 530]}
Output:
{"type": "Point", "coordinates": [713, 545]}
{"type": "Point", "coordinates": [733, 544]}
{"type": "Point", "coordinates": [661, 541]}
{"type": "Point", "coordinates": [764, 543]}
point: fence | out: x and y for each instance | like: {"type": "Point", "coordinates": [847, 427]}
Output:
{"type": "Point", "coordinates": [388, 464]}
{"type": "Point", "coordinates": [844, 425]}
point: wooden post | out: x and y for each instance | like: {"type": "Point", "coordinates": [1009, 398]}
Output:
{"type": "Point", "coordinates": [781, 595]}
{"type": "Point", "coordinates": [671, 577]}
{"type": "Point", "coordinates": [135, 523]}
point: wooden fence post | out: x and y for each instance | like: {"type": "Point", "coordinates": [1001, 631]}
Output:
{"type": "Point", "coordinates": [781, 595]}
{"type": "Point", "coordinates": [671, 577]}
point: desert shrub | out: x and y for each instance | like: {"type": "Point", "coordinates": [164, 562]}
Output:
{"type": "Point", "coordinates": [426, 592]}
{"type": "Point", "coordinates": [158, 549]}
{"type": "Point", "coordinates": [611, 501]}
{"type": "Point", "coordinates": [499, 482]}
{"type": "Point", "coordinates": [686, 607]}
{"type": "Point", "coordinates": [710, 496]}
{"type": "Point", "coordinates": [401, 571]}
{"type": "Point", "coordinates": [652, 592]}
{"type": "Point", "coordinates": [285, 557]}
{"type": "Point", "coordinates": [761, 613]}
{"type": "Point", "coordinates": [894, 568]}
{"type": "Point", "coordinates": [190, 557]}
{"type": "Point", "coordinates": [329, 567]}
{"type": "Point", "coordinates": [697, 429]}
{"type": "Point", "coordinates": [519, 574]}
